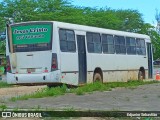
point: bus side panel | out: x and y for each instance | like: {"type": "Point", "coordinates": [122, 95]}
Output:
{"type": "Point", "coordinates": [119, 67]}
{"type": "Point", "coordinates": [113, 66]}
{"type": "Point", "coordinates": [89, 67]}
{"type": "Point", "coordinates": [67, 61]}
{"type": "Point", "coordinates": [69, 68]}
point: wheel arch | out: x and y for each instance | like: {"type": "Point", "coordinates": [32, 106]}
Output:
{"type": "Point", "coordinates": [142, 69]}
{"type": "Point", "coordinates": [98, 70]}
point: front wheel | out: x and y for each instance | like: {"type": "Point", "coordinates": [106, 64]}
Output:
{"type": "Point", "coordinates": [97, 77]}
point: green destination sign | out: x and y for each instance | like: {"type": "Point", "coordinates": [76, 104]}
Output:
{"type": "Point", "coordinates": [31, 34]}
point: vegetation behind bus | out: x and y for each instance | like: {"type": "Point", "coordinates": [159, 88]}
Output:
{"type": "Point", "coordinates": [63, 10]}
{"type": "Point", "coordinates": [2, 57]}
{"type": "Point", "coordinates": [5, 85]}
{"type": "Point", "coordinates": [88, 88]}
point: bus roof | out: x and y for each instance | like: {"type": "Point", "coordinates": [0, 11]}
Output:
{"type": "Point", "coordinates": [91, 29]}
{"type": "Point", "coordinates": [101, 30]}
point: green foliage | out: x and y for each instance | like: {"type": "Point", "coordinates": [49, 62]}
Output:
{"type": "Point", "coordinates": [97, 86]}
{"type": "Point", "coordinates": [62, 10]}
{"type": "Point", "coordinates": [3, 107]}
{"type": "Point", "coordinates": [145, 96]}
{"type": "Point", "coordinates": [4, 85]}
{"type": "Point", "coordinates": [2, 46]}
{"type": "Point", "coordinates": [155, 37]}
{"type": "Point", "coordinates": [89, 88]}
{"type": "Point", "coordinates": [46, 92]}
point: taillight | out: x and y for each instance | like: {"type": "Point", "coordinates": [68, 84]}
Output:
{"type": "Point", "coordinates": [8, 65]}
{"type": "Point", "coordinates": [54, 63]}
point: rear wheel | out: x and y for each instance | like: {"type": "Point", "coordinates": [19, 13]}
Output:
{"type": "Point", "coordinates": [54, 85]}
{"type": "Point", "coordinates": [141, 75]}
{"type": "Point", "coordinates": [97, 77]}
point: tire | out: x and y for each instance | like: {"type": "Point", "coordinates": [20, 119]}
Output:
{"type": "Point", "coordinates": [97, 77]}
{"type": "Point", "coordinates": [51, 86]}
{"type": "Point", "coordinates": [140, 75]}
{"type": "Point", "coordinates": [54, 85]}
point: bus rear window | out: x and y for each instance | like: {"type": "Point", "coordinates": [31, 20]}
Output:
{"type": "Point", "coordinates": [31, 37]}
{"type": "Point", "coordinates": [32, 47]}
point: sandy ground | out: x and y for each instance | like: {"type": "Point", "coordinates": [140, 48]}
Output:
{"type": "Point", "coordinates": [141, 98]}
{"type": "Point", "coordinates": [18, 90]}
{"type": "Point", "coordinates": [144, 98]}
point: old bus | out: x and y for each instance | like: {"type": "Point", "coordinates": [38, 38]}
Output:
{"type": "Point", "coordinates": [50, 52]}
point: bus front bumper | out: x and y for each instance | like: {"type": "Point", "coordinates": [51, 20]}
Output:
{"type": "Point", "coordinates": [43, 78]}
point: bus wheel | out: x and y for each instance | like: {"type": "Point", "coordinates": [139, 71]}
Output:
{"type": "Point", "coordinates": [97, 77]}
{"type": "Point", "coordinates": [140, 75]}
{"type": "Point", "coordinates": [51, 86]}
{"type": "Point", "coordinates": [54, 85]}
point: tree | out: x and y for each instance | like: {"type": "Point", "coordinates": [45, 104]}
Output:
{"type": "Point", "coordinates": [131, 20]}
{"type": "Point", "coordinates": [157, 17]}
{"type": "Point", "coordinates": [2, 46]}
{"type": "Point", "coordinates": [155, 38]}
{"type": "Point", "coordinates": [63, 10]}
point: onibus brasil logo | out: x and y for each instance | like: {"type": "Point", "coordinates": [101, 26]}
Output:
{"type": "Point", "coordinates": [21, 114]}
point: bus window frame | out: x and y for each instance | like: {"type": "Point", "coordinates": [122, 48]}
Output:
{"type": "Point", "coordinates": [107, 43]}
{"type": "Point", "coordinates": [131, 46]}
{"type": "Point", "coordinates": [142, 39]}
{"type": "Point", "coordinates": [120, 45]}
{"type": "Point", "coordinates": [67, 40]}
{"type": "Point", "coordinates": [93, 42]}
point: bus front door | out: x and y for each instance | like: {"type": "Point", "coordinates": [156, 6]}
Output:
{"type": "Point", "coordinates": [82, 59]}
{"type": "Point", "coordinates": [150, 61]}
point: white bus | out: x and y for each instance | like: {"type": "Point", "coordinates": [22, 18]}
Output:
{"type": "Point", "coordinates": [51, 52]}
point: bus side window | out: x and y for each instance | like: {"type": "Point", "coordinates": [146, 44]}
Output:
{"type": "Point", "coordinates": [140, 47]}
{"type": "Point", "coordinates": [120, 46]}
{"type": "Point", "coordinates": [67, 40]}
{"type": "Point", "coordinates": [108, 44]}
{"type": "Point", "coordinates": [131, 45]}
{"type": "Point", "coordinates": [94, 42]}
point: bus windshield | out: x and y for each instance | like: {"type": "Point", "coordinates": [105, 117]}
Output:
{"type": "Point", "coordinates": [31, 37]}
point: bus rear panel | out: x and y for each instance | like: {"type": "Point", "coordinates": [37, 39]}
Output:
{"type": "Point", "coordinates": [31, 59]}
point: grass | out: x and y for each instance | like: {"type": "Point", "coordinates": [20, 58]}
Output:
{"type": "Point", "coordinates": [4, 85]}
{"type": "Point", "coordinates": [69, 109]}
{"type": "Point", "coordinates": [88, 88]}
{"type": "Point", "coordinates": [127, 99]}
{"type": "Point", "coordinates": [2, 107]}
{"type": "Point", "coordinates": [145, 96]}
{"type": "Point", "coordinates": [45, 92]}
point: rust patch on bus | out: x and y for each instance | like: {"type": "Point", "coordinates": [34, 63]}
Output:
{"type": "Point", "coordinates": [132, 75]}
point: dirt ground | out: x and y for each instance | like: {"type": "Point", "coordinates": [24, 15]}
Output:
{"type": "Point", "coordinates": [18, 90]}
{"type": "Point", "coordinates": [143, 98]}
